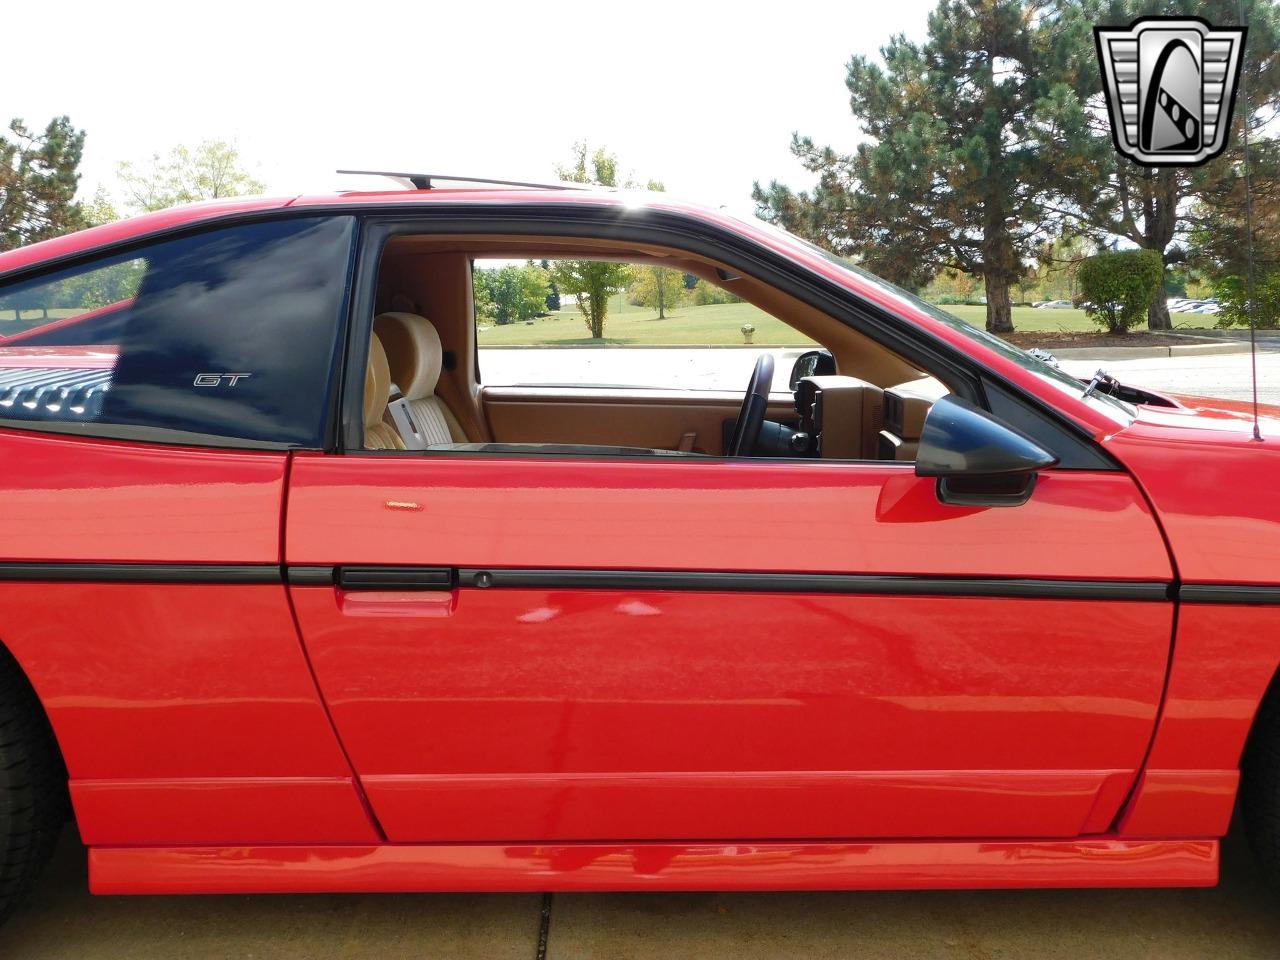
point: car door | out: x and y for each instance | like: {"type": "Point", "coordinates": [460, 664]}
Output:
{"type": "Point", "coordinates": [568, 648]}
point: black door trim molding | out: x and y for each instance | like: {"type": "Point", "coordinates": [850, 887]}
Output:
{"type": "Point", "coordinates": [431, 577]}
{"type": "Point", "coordinates": [812, 583]}
{"type": "Point", "coordinates": [1228, 593]}
{"type": "Point", "coordinates": [141, 572]}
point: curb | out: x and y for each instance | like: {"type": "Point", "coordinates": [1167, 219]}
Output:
{"type": "Point", "coordinates": [1149, 353]}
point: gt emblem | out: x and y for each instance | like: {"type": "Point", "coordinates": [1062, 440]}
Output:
{"type": "Point", "coordinates": [1170, 84]}
{"type": "Point", "coordinates": [218, 379]}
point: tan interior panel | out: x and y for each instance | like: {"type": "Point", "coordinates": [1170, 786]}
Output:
{"type": "Point", "coordinates": [658, 419]}
{"type": "Point", "coordinates": [850, 413]}
{"type": "Point", "coordinates": [905, 407]}
{"type": "Point", "coordinates": [438, 286]}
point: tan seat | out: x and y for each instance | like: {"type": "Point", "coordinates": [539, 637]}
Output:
{"type": "Point", "coordinates": [415, 355]}
{"type": "Point", "coordinates": [378, 435]}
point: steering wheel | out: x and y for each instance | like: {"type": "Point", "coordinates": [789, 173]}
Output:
{"type": "Point", "coordinates": [751, 417]}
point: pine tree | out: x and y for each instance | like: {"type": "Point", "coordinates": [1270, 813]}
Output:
{"type": "Point", "coordinates": [954, 173]}
{"type": "Point", "coordinates": [39, 174]}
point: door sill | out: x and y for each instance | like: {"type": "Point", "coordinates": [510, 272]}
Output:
{"type": "Point", "coordinates": [895, 865]}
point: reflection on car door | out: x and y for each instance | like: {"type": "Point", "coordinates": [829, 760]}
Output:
{"type": "Point", "coordinates": [576, 648]}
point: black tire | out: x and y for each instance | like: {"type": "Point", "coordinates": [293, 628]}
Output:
{"type": "Point", "coordinates": [33, 787]}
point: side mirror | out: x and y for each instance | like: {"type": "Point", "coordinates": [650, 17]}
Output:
{"type": "Point", "coordinates": [812, 363]}
{"type": "Point", "coordinates": [979, 459]}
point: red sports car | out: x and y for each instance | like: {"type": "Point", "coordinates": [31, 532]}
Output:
{"type": "Point", "coordinates": [303, 589]}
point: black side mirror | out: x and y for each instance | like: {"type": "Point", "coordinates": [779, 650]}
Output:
{"type": "Point", "coordinates": [979, 459]}
{"type": "Point", "coordinates": [812, 363]}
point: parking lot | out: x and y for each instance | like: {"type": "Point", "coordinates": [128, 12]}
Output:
{"type": "Point", "coordinates": [1217, 375]}
{"type": "Point", "coordinates": [1234, 921]}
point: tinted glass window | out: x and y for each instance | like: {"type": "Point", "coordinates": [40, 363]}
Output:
{"type": "Point", "coordinates": [226, 334]}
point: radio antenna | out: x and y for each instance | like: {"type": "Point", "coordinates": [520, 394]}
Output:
{"type": "Point", "coordinates": [1248, 222]}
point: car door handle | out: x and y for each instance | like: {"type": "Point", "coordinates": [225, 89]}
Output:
{"type": "Point", "coordinates": [395, 578]}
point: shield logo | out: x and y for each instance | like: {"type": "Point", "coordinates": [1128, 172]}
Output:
{"type": "Point", "coordinates": [1170, 84]}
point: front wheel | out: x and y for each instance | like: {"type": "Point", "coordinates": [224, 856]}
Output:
{"type": "Point", "coordinates": [33, 784]}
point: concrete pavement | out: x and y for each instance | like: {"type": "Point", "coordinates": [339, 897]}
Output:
{"type": "Point", "coordinates": [1207, 376]}
{"type": "Point", "coordinates": [728, 368]}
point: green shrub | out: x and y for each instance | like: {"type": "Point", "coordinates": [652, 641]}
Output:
{"type": "Point", "coordinates": [1232, 294]}
{"type": "Point", "coordinates": [1118, 287]}
{"type": "Point", "coordinates": [705, 294]}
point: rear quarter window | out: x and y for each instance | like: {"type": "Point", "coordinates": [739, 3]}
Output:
{"type": "Point", "coordinates": [226, 337]}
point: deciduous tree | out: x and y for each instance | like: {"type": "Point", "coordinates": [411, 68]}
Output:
{"type": "Point", "coordinates": [658, 287]}
{"type": "Point", "coordinates": [210, 170]}
{"type": "Point", "coordinates": [511, 293]}
{"type": "Point", "coordinates": [591, 282]}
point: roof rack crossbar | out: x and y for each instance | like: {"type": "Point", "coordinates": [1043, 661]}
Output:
{"type": "Point", "coordinates": [423, 181]}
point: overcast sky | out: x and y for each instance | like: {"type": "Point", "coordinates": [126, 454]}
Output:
{"type": "Point", "coordinates": [703, 96]}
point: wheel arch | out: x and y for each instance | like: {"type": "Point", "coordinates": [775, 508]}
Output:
{"type": "Point", "coordinates": [13, 667]}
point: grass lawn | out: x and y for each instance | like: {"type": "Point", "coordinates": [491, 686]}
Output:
{"type": "Point", "coordinates": [1031, 319]}
{"type": "Point", "coordinates": [718, 324]}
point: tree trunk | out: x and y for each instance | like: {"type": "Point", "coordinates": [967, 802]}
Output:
{"type": "Point", "coordinates": [999, 309]}
{"type": "Point", "coordinates": [1158, 314]}
{"type": "Point", "coordinates": [1158, 310]}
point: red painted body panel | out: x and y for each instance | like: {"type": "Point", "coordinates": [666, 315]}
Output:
{"type": "Point", "coordinates": [157, 683]}
{"type": "Point", "coordinates": [1224, 658]}
{"type": "Point", "coordinates": [585, 714]}
{"type": "Point", "coordinates": [604, 714]}
{"type": "Point", "coordinates": [74, 499]}
{"type": "Point", "coordinates": [739, 866]}
{"type": "Point", "coordinates": [1192, 461]}
{"type": "Point", "coordinates": [735, 803]}
{"type": "Point", "coordinates": [1173, 803]}
{"type": "Point", "coordinates": [224, 810]}
{"type": "Point", "coordinates": [713, 515]}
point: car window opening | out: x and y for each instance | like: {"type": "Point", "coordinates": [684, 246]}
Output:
{"type": "Point", "coordinates": [581, 348]}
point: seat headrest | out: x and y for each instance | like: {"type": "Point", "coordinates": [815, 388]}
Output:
{"type": "Point", "coordinates": [413, 350]}
{"type": "Point", "coordinates": [377, 383]}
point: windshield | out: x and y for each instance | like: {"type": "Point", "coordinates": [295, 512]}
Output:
{"type": "Point", "coordinates": [1119, 411]}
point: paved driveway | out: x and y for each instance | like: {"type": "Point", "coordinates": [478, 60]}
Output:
{"type": "Point", "coordinates": [1219, 375]}
{"type": "Point", "coordinates": [725, 368]}
{"type": "Point", "coordinates": [1236, 921]}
